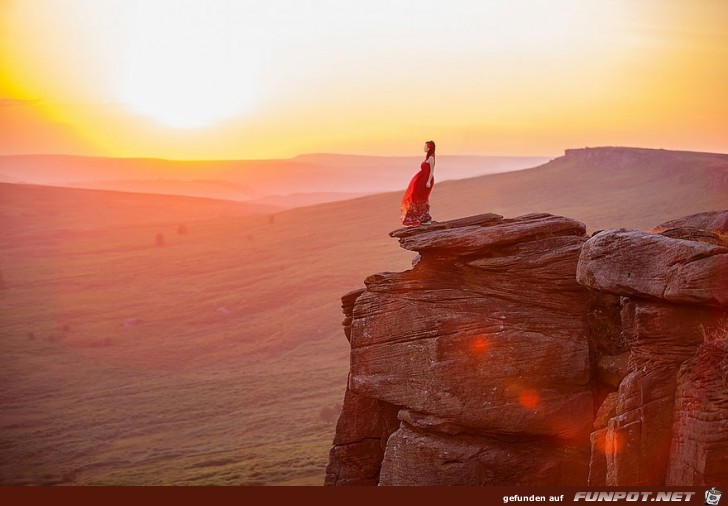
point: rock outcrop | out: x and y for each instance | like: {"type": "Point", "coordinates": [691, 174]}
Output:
{"type": "Point", "coordinates": [669, 419]}
{"type": "Point", "coordinates": [521, 351]}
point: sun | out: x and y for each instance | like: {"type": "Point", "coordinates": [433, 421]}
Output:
{"type": "Point", "coordinates": [184, 65]}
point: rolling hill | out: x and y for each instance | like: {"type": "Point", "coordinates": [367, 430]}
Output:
{"type": "Point", "coordinates": [217, 358]}
{"type": "Point", "coordinates": [34, 209]}
{"type": "Point", "coordinates": [306, 179]}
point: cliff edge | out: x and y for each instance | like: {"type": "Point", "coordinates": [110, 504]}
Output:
{"type": "Point", "coordinates": [521, 351]}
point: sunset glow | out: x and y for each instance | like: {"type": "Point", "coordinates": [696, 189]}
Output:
{"type": "Point", "coordinates": [232, 79]}
{"type": "Point", "coordinates": [181, 80]}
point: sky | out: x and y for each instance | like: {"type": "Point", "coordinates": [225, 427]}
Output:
{"type": "Point", "coordinates": [234, 79]}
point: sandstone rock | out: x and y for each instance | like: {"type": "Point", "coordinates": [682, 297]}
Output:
{"type": "Point", "coordinates": [600, 445]}
{"type": "Point", "coordinates": [627, 262]}
{"type": "Point", "coordinates": [611, 369]}
{"type": "Point", "coordinates": [508, 336]}
{"type": "Point", "coordinates": [430, 423]}
{"type": "Point", "coordinates": [470, 240]}
{"type": "Point", "coordinates": [714, 221]}
{"type": "Point", "coordinates": [607, 411]}
{"type": "Point", "coordinates": [698, 454]}
{"type": "Point", "coordinates": [418, 458]}
{"type": "Point", "coordinates": [709, 228]}
{"type": "Point", "coordinates": [660, 337]}
{"type": "Point", "coordinates": [696, 234]}
{"type": "Point", "coordinates": [479, 220]}
{"type": "Point", "coordinates": [490, 349]}
{"type": "Point", "coordinates": [598, 459]}
{"type": "Point", "coordinates": [362, 431]}
{"type": "Point", "coordinates": [347, 306]}
{"type": "Point", "coordinates": [663, 333]}
{"type": "Point", "coordinates": [639, 441]}
{"type": "Point", "coordinates": [355, 464]}
{"type": "Point", "coordinates": [483, 363]}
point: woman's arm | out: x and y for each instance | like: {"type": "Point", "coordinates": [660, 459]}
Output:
{"type": "Point", "coordinates": [431, 161]}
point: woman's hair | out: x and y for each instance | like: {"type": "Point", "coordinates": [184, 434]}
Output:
{"type": "Point", "coordinates": [430, 149]}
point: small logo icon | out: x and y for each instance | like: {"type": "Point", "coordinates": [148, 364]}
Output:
{"type": "Point", "coordinates": [712, 497]}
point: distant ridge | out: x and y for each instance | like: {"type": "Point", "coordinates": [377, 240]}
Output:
{"type": "Point", "coordinates": [607, 187]}
{"type": "Point", "coordinates": [319, 176]}
{"type": "Point", "coordinates": [617, 150]}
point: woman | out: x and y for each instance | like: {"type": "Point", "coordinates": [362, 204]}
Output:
{"type": "Point", "coordinates": [415, 205]}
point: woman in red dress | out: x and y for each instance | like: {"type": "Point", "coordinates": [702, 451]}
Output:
{"type": "Point", "coordinates": [415, 205]}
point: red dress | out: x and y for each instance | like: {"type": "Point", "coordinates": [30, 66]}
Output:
{"type": "Point", "coordinates": [415, 206]}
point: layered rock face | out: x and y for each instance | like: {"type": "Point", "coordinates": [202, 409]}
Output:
{"type": "Point", "coordinates": [668, 422]}
{"type": "Point", "coordinates": [482, 353]}
{"type": "Point", "coordinates": [520, 351]}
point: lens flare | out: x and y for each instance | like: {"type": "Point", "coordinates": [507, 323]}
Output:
{"type": "Point", "coordinates": [612, 443]}
{"type": "Point", "coordinates": [479, 346]}
{"type": "Point", "coordinates": [529, 399]}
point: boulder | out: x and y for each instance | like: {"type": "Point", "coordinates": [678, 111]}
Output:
{"type": "Point", "coordinates": [472, 239]}
{"type": "Point", "coordinates": [420, 458]}
{"type": "Point", "coordinates": [714, 221]}
{"type": "Point", "coordinates": [627, 262]}
{"type": "Point", "coordinates": [709, 227]}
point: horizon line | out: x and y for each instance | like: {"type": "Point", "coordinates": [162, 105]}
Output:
{"type": "Point", "coordinates": [301, 155]}
{"type": "Point", "coordinates": [331, 154]}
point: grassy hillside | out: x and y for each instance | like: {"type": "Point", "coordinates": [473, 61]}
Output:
{"type": "Point", "coordinates": [206, 361]}
{"type": "Point", "coordinates": [214, 359]}
{"type": "Point", "coordinates": [32, 209]}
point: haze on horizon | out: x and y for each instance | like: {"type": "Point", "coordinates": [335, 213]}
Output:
{"type": "Point", "coordinates": [201, 79]}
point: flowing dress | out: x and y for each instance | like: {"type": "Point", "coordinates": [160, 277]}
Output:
{"type": "Point", "coordinates": [415, 205]}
